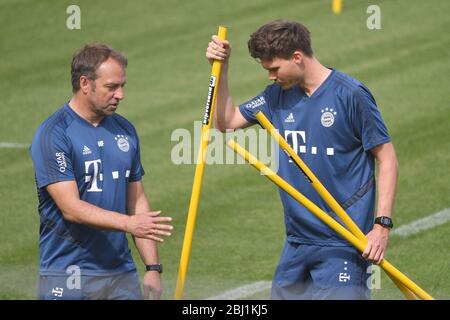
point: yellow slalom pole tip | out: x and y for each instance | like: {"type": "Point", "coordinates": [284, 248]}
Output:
{"type": "Point", "coordinates": [336, 6]}
{"type": "Point", "coordinates": [222, 32]}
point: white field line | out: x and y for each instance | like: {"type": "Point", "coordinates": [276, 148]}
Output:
{"type": "Point", "coordinates": [243, 291]}
{"type": "Point", "coordinates": [406, 230]}
{"type": "Point", "coordinates": [13, 145]}
{"type": "Point", "coordinates": [417, 226]}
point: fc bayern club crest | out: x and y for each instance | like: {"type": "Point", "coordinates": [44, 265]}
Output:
{"type": "Point", "coordinates": [328, 116]}
{"type": "Point", "coordinates": [122, 142]}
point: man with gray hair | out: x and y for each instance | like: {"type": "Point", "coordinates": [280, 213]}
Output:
{"type": "Point", "coordinates": [89, 180]}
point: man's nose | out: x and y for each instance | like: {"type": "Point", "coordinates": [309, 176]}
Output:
{"type": "Point", "coordinates": [272, 76]}
{"type": "Point", "coordinates": [119, 93]}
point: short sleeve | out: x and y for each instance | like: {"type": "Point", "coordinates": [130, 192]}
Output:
{"type": "Point", "coordinates": [137, 170]}
{"type": "Point", "coordinates": [249, 108]}
{"type": "Point", "coordinates": [367, 121]}
{"type": "Point", "coordinates": [51, 155]}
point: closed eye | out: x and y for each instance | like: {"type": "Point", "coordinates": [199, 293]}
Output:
{"type": "Point", "coordinates": [114, 86]}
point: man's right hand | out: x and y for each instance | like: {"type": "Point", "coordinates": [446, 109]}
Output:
{"type": "Point", "coordinates": [218, 50]}
{"type": "Point", "coordinates": [148, 225]}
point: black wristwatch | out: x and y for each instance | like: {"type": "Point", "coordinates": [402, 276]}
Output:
{"type": "Point", "coordinates": [154, 267]}
{"type": "Point", "coordinates": [384, 221]}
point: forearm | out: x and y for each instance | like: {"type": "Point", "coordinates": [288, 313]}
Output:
{"type": "Point", "coordinates": [387, 185]}
{"type": "Point", "coordinates": [82, 212]}
{"type": "Point", "coordinates": [147, 248]}
{"type": "Point", "coordinates": [148, 225]}
{"type": "Point", "coordinates": [377, 238]}
{"type": "Point", "coordinates": [224, 108]}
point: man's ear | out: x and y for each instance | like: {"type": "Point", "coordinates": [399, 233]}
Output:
{"type": "Point", "coordinates": [84, 84]}
{"type": "Point", "coordinates": [297, 56]}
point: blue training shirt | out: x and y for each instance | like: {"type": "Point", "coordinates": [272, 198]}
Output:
{"type": "Point", "coordinates": [102, 160]}
{"type": "Point", "coordinates": [332, 131]}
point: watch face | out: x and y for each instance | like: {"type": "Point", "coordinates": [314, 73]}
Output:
{"type": "Point", "coordinates": [154, 267]}
{"type": "Point", "coordinates": [384, 221]}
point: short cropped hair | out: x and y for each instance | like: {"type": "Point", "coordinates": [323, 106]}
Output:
{"type": "Point", "coordinates": [280, 39]}
{"type": "Point", "coordinates": [88, 59]}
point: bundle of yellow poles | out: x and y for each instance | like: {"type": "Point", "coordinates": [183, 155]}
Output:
{"type": "Point", "coordinates": [354, 236]}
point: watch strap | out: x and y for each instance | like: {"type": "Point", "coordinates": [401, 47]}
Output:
{"type": "Point", "coordinates": [154, 267]}
{"type": "Point", "coordinates": [384, 221]}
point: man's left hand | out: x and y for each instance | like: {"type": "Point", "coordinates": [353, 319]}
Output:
{"type": "Point", "coordinates": [152, 285]}
{"type": "Point", "coordinates": [377, 241]}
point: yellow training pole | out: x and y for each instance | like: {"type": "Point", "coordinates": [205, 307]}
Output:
{"type": "Point", "coordinates": [323, 192]}
{"type": "Point", "coordinates": [336, 6]}
{"type": "Point", "coordinates": [199, 169]}
{"type": "Point", "coordinates": [330, 222]}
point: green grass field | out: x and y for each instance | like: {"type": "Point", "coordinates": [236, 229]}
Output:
{"type": "Point", "coordinates": [239, 232]}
